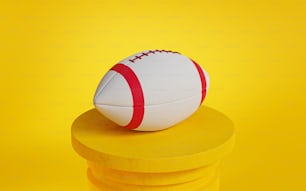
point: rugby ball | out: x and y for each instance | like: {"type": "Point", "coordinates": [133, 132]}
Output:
{"type": "Point", "coordinates": [152, 90]}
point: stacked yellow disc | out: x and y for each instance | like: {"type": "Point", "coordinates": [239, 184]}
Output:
{"type": "Point", "coordinates": [183, 157]}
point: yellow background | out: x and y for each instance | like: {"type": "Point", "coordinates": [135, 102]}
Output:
{"type": "Point", "coordinates": [53, 55]}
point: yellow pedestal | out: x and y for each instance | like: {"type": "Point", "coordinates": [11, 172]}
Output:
{"type": "Point", "coordinates": [183, 157]}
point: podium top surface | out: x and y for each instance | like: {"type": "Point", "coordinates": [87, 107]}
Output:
{"type": "Point", "coordinates": [202, 139]}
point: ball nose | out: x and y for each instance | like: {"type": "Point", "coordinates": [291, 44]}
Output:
{"type": "Point", "coordinates": [110, 101]}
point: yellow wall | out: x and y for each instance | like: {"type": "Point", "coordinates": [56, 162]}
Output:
{"type": "Point", "coordinates": [52, 56]}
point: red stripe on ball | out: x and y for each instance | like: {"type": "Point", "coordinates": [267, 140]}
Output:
{"type": "Point", "coordinates": [203, 80]}
{"type": "Point", "coordinates": [137, 94]}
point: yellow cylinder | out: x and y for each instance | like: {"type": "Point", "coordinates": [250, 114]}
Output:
{"type": "Point", "coordinates": [183, 157]}
{"type": "Point", "coordinates": [101, 173]}
{"type": "Point", "coordinates": [201, 184]}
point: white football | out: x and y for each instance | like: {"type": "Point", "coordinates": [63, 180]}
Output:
{"type": "Point", "coordinates": [152, 90]}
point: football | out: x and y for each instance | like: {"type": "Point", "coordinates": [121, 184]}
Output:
{"type": "Point", "coordinates": [152, 90]}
